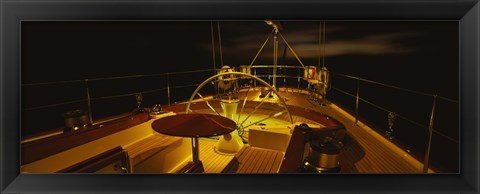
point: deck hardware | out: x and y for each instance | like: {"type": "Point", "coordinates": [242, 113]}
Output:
{"type": "Point", "coordinates": [139, 100]}
{"type": "Point", "coordinates": [392, 116]}
{"type": "Point", "coordinates": [119, 167]}
{"type": "Point", "coordinates": [324, 81]}
{"type": "Point", "coordinates": [298, 79]}
{"type": "Point", "coordinates": [254, 81]}
{"type": "Point", "coordinates": [313, 150]}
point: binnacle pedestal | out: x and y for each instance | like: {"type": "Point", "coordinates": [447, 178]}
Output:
{"type": "Point", "coordinates": [232, 142]}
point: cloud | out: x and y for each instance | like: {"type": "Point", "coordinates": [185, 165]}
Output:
{"type": "Point", "coordinates": [305, 44]}
{"type": "Point", "coordinates": [370, 45]}
{"type": "Point", "coordinates": [348, 47]}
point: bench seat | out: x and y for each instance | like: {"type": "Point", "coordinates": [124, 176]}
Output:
{"type": "Point", "coordinates": [144, 149]}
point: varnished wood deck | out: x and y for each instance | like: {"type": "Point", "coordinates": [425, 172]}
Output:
{"type": "Point", "coordinates": [213, 161]}
{"type": "Point", "coordinates": [255, 160]}
{"type": "Point", "coordinates": [247, 160]}
{"type": "Point", "coordinates": [365, 150]}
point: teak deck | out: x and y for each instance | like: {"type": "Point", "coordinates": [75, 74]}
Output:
{"type": "Point", "coordinates": [365, 151]}
{"type": "Point", "coordinates": [255, 160]}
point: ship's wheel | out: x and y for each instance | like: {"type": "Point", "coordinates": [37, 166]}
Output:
{"type": "Point", "coordinates": [248, 105]}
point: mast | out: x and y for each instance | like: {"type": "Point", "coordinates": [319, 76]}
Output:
{"type": "Point", "coordinates": [275, 26]}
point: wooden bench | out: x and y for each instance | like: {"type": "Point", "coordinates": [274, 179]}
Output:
{"type": "Point", "coordinates": [254, 160]}
{"type": "Point", "coordinates": [144, 149]}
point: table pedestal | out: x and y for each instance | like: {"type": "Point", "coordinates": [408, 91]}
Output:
{"type": "Point", "coordinates": [196, 165]}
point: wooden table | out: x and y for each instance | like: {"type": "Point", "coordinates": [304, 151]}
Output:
{"type": "Point", "coordinates": [194, 125]}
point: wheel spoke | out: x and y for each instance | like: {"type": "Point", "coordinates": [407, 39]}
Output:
{"type": "Point", "coordinates": [269, 116]}
{"type": "Point", "coordinates": [243, 105]}
{"type": "Point", "coordinates": [256, 107]}
{"type": "Point", "coordinates": [208, 104]}
{"type": "Point", "coordinates": [241, 128]}
{"type": "Point", "coordinates": [243, 134]}
{"type": "Point", "coordinates": [242, 117]}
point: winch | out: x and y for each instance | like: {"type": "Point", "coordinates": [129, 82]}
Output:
{"type": "Point", "coordinates": [313, 150]}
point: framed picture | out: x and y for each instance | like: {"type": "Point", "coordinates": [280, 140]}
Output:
{"type": "Point", "coordinates": [130, 59]}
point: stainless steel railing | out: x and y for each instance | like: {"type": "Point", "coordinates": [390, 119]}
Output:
{"type": "Point", "coordinates": [429, 126]}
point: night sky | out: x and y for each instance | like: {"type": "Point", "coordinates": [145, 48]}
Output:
{"type": "Point", "coordinates": [397, 51]}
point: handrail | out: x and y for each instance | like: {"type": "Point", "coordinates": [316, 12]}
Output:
{"type": "Point", "coordinates": [391, 86]}
{"type": "Point", "coordinates": [379, 107]}
{"type": "Point", "coordinates": [196, 71]}
{"type": "Point", "coordinates": [285, 76]}
{"type": "Point", "coordinates": [402, 89]}
{"type": "Point", "coordinates": [254, 66]}
{"type": "Point", "coordinates": [278, 66]}
{"type": "Point", "coordinates": [113, 78]}
{"type": "Point", "coordinates": [110, 78]}
{"type": "Point", "coordinates": [355, 78]}
{"type": "Point", "coordinates": [53, 105]}
{"type": "Point", "coordinates": [191, 85]}
{"type": "Point", "coordinates": [400, 116]}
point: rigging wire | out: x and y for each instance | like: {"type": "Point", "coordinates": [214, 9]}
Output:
{"type": "Point", "coordinates": [214, 56]}
{"type": "Point", "coordinates": [324, 43]}
{"type": "Point", "coordinates": [261, 48]}
{"type": "Point", "coordinates": [291, 49]}
{"type": "Point", "coordinates": [220, 44]}
{"type": "Point", "coordinates": [319, 44]}
{"type": "Point", "coordinates": [213, 48]}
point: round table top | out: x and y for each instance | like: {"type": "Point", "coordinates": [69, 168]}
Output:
{"type": "Point", "coordinates": [194, 125]}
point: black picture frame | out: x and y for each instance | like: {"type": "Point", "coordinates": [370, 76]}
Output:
{"type": "Point", "coordinates": [467, 12]}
